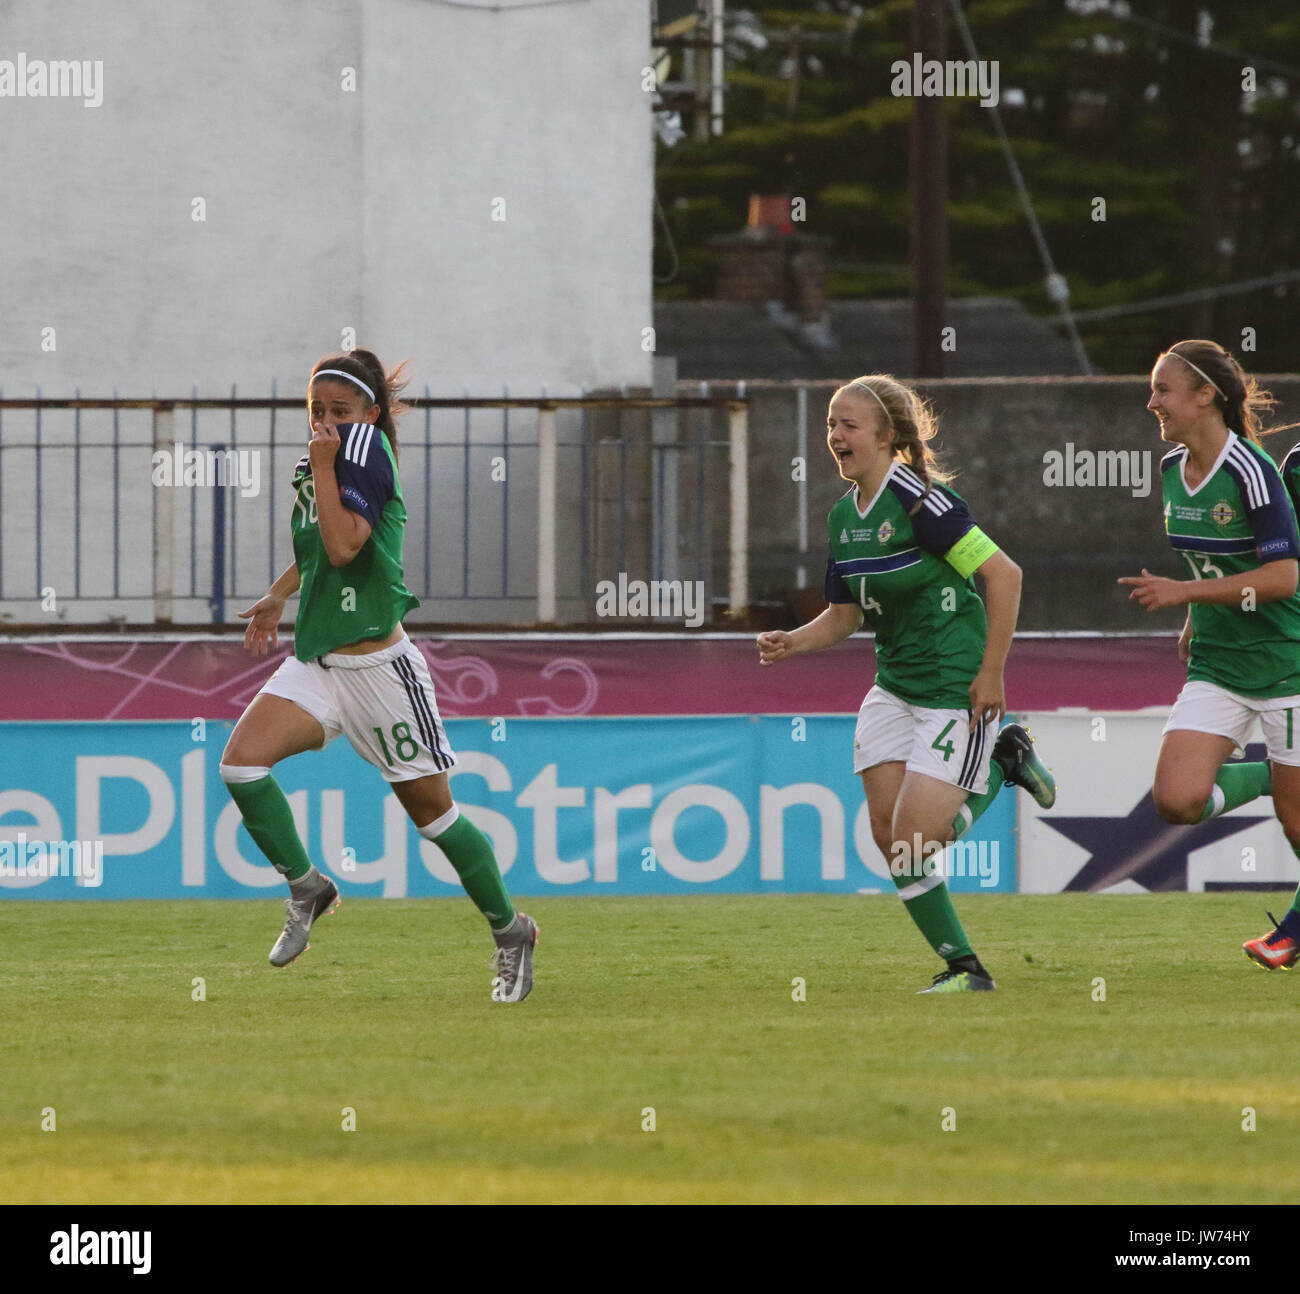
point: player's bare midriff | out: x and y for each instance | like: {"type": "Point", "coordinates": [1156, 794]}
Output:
{"type": "Point", "coordinates": [371, 644]}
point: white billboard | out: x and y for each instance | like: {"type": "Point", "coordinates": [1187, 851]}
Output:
{"type": "Point", "coordinates": [1103, 832]}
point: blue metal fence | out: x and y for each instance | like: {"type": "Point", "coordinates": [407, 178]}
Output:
{"type": "Point", "coordinates": [86, 537]}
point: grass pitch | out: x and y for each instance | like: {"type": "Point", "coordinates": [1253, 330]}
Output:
{"type": "Point", "coordinates": [681, 1006]}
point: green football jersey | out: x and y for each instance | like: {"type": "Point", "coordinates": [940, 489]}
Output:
{"type": "Point", "coordinates": [366, 598]}
{"type": "Point", "coordinates": [1237, 519]}
{"type": "Point", "coordinates": [910, 572]}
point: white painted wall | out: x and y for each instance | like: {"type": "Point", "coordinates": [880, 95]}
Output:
{"type": "Point", "coordinates": [327, 209]}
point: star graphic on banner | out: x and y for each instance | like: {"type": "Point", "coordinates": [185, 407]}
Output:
{"type": "Point", "coordinates": [1142, 846]}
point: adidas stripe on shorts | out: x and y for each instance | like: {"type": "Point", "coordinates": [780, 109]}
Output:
{"type": "Point", "coordinates": [937, 743]}
{"type": "Point", "coordinates": [383, 702]}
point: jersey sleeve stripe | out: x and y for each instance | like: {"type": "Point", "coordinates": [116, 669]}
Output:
{"type": "Point", "coordinates": [1253, 469]}
{"type": "Point", "coordinates": [934, 501]}
{"type": "Point", "coordinates": [357, 446]}
{"type": "Point", "coordinates": [360, 446]}
{"type": "Point", "coordinates": [907, 476]}
{"type": "Point", "coordinates": [1251, 474]}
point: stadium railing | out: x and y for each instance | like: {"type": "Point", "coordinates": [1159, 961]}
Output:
{"type": "Point", "coordinates": [506, 524]}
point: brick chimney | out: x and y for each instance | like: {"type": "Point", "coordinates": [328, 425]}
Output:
{"type": "Point", "coordinates": [768, 263]}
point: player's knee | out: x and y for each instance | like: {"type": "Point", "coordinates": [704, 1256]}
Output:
{"type": "Point", "coordinates": [235, 756]}
{"type": "Point", "coordinates": [911, 850]}
{"type": "Point", "coordinates": [1288, 817]}
{"type": "Point", "coordinates": [1179, 807]}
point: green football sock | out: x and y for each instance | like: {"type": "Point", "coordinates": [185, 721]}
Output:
{"type": "Point", "coordinates": [969, 813]}
{"type": "Point", "coordinates": [928, 904]}
{"type": "Point", "coordinates": [270, 822]}
{"type": "Point", "coordinates": [1237, 784]}
{"type": "Point", "coordinates": [1295, 902]}
{"type": "Point", "coordinates": [470, 852]}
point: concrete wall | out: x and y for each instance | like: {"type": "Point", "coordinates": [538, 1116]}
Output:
{"type": "Point", "coordinates": [327, 208]}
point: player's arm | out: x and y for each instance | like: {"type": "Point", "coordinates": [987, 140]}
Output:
{"type": "Point", "coordinates": [1277, 544]}
{"type": "Point", "coordinates": [342, 531]}
{"type": "Point", "coordinates": [1002, 580]}
{"type": "Point", "coordinates": [836, 623]}
{"type": "Point", "coordinates": [356, 476]}
{"type": "Point", "coordinates": [287, 583]}
{"type": "Point", "coordinates": [1272, 582]}
{"type": "Point", "coordinates": [969, 551]}
{"type": "Point", "coordinates": [265, 614]}
{"type": "Point", "coordinates": [1185, 639]}
{"type": "Point", "coordinates": [842, 617]}
{"type": "Point", "coordinates": [953, 535]}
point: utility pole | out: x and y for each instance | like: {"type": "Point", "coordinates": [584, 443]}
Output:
{"type": "Point", "coordinates": [928, 182]}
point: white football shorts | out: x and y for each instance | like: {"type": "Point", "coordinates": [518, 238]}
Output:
{"type": "Point", "coordinates": [1206, 707]}
{"type": "Point", "coordinates": [937, 743]}
{"type": "Point", "coordinates": [382, 701]}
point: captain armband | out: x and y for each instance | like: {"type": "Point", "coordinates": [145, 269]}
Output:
{"type": "Point", "coordinates": [970, 552]}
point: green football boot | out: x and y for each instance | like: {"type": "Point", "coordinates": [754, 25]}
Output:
{"type": "Point", "coordinates": [962, 977]}
{"type": "Point", "coordinates": [1014, 751]}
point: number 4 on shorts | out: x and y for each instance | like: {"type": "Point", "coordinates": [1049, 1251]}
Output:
{"type": "Point", "coordinates": [947, 749]}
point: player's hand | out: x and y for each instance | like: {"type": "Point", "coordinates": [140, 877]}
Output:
{"type": "Point", "coordinates": [988, 697]}
{"type": "Point", "coordinates": [773, 646]}
{"type": "Point", "coordinates": [323, 446]}
{"type": "Point", "coordinates": [1154, 592]}
{"type": "Point", "coordinates": [263, 630]}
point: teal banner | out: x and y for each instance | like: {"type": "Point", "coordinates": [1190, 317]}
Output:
{"type": "Point", "coordinates": [728, 804]}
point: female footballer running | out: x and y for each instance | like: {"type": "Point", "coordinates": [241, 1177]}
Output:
{"type": "Point", "coordinates": [354, 671]}
{"type": "Point", "coordinates": [1228, 515]}
{"type": "Point", "coordinates": [903, 549]}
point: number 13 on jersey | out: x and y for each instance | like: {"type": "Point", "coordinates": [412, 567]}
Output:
{"type": "Point", "coordinates": [1207, 570]}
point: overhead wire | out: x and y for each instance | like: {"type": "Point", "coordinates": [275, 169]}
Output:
{"type": "Point", "coordinates": [1057, 288]}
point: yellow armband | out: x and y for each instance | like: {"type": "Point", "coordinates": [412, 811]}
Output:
{"type": "Point", "coordinates": [970, 552]}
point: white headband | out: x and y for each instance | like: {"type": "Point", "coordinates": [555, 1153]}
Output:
{"type": "Point", "coordinates": [879, 401]}
{"type": "Point", "coordinates": [338, 372]}
{"type": "Point", "coordinates": [1200, 370]}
